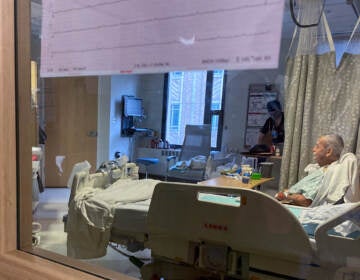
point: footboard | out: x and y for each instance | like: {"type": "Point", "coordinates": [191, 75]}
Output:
{"type": "Point", "coordinates": [184, 216]}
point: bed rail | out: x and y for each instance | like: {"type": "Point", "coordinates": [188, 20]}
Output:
{"type": "Point", "coordinates": [259, 224]}
{"type": "Point", "coordinates": [334, 250]}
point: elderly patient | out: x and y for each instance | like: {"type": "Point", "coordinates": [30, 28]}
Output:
{"type": "Point", "coordinates": [331, 180]}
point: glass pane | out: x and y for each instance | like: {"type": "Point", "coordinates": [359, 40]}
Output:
{"type": "Point", "coordinates": [80, 155]}
{"type": "Point", "coordinates": [186, 103]}
{"type": "Point", "coordinates": [214, 130]}
{"type": "Point", "coordinates": [217, 89]}
{"type": "Point", "coordinates": [175, 116]}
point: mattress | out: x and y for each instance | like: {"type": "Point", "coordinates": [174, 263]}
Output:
{"type": "Point", "coordinates": [131, 217]}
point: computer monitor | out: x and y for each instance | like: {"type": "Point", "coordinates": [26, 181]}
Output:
{"type": "Point", "coordinates": [132, 106]}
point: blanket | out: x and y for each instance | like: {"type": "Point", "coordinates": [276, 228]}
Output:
{"type": "Point", "coordinates": [311, 218]}
{"type": "Point", "coordinates": [91, 214]}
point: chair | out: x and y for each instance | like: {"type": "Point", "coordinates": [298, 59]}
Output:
{"type": "Point", "coordinates": [191, 163]}
{"type": "Point", "coordinates": [146, 161]}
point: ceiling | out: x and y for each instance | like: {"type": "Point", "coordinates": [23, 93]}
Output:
{"type": "Point", "coordinates": [341, 15]}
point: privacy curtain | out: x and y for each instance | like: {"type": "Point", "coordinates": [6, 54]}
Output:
{"type": "Point", "coordinates": [319, 99]}
{"type": "Point", "coordinates": [345, 118]}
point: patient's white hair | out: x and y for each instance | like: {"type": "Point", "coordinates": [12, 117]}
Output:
{"type": "Point", "coordinates": [336, 142]}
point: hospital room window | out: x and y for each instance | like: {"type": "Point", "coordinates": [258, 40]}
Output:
{"type": "Point", "coordinates": [175, 116]}
{"type": "Point", "coordinates": [194, 97]}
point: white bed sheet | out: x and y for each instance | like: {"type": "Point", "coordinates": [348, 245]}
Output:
{"type": "Point", "coordinates": [92, 211]}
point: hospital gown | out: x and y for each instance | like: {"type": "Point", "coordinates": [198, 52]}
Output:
{"type": "Point", "coordinates": [340, 180]}
{"type": "Point", "coordinates": [327, 185]}
{"type": "Point", "coordinates": [309, 185]}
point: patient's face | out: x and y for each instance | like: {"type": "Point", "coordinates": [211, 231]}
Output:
{"type": "Point", "coordinates": [320, 151]}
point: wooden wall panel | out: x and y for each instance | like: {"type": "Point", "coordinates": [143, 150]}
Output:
{"type": "Point", "coordinates": [25, 123]}
{"type": "Point", "coordinates": [7, 128]}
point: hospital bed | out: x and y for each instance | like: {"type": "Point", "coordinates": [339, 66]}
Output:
{"type": "Point", "coordinates": [196, 231]}
{"type": "Point", "coordinates": [89, 230]}
{"type": "Point", "coordinates": [239, 234]}
{"type": "Point", "coordinates": [97, 202]}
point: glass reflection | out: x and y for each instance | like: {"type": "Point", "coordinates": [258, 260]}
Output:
{"type": "Point", "coordinates": [90, 196]}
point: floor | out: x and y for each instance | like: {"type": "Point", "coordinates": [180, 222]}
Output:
{"type": "Point", "coordinates": [49, 213]}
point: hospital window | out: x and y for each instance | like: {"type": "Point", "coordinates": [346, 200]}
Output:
{"type": "Point", "coordinates": [193, 97]}
{"type": "Point", "coordinates": [175, 117]}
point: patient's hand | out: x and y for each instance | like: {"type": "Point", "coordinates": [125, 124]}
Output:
{"type": "Point", "coordinates": [281, 195]}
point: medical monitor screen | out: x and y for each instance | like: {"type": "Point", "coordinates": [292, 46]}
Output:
{"type": "Point", "coordinates": [132, 106]}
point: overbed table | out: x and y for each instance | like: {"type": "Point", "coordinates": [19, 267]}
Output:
{"type": "Point", "coordinates": [231, 182]}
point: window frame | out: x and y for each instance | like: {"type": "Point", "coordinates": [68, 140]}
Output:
{"type": "Point", "coordinates": [208, 112]}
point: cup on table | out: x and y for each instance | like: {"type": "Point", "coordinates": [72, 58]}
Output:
{"type": "Point", "coordinates": [246, 178]}
{"type": "Point", "coordinates": [246, 169]}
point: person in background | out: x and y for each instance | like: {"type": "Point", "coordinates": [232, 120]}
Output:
{"type": "Point", "coordinates": [326, 153]}
{"type": "Point", "coordinates": [273, 130]}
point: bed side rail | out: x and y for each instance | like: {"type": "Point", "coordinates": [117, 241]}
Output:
{"type": "Point", "coordinates": [259, 224]}
{"type": "Point", "coordinates": [338, 250]}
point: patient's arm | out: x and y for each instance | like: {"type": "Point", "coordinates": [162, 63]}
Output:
{"type": "Point", "coordinates": [293, 198]}
{"type": "Point", "coordinates": [299, 199]}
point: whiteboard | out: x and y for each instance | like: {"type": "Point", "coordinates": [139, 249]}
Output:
{"type": "Point", "coordinates": [100, 37]}
{"type": "Point", "coordinates": [251, 136]}
{"type": "Point", "coordinates": [257, 119]}
{"type": "Point", "coordinates": [258, 101]}
{"type": "Point", "coordinates": [257, 114]}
